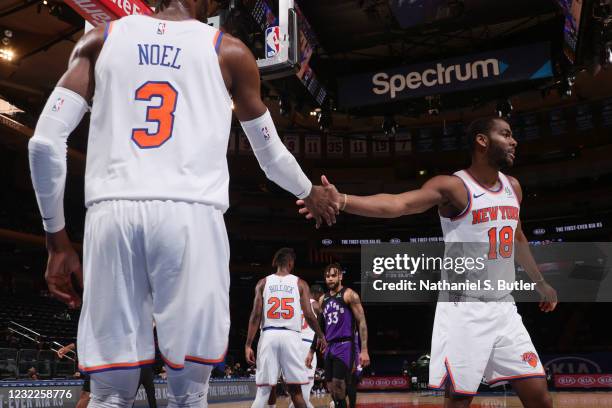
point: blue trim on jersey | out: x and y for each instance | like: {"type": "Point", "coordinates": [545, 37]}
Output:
{"type": "Point", "coordinates": [106, 26]}
{"type": "Point", "coordinates": [206, 363]}
{"type": "Point", "coordinates": [102, 370]}
{"type": "Point", "coordinates": [275, 328]}
{"type": "Point", "coordinates": [525, 377]}
{"type": "Point", "coordinates": [469, 205]}
{"type": "Point", "coordinates": [218, 43]}
{"type": "Point", "coordinates": [307, 340]}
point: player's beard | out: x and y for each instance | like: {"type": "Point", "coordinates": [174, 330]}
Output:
{"type": "Point", "coordinates": [498, 158]}
{"type": "Point", "coordinates": [333, 286]}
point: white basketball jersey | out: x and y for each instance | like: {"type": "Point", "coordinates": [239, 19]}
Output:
{"type": "Point", "coordinates": [281, 303]}
{"type": "Point", "coordinates": [161, 115]}
{"type": "Point", "coordinates": [307, 332]}
{"type": "Point", "coordinates": [485, 229]}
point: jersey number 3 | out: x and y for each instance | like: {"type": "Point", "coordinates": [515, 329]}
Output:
{"type": "Point", "coordinates": [162, 114]}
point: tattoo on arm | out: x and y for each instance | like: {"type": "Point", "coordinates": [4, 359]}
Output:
{"type": "Point", "coordinates": [359, 314]}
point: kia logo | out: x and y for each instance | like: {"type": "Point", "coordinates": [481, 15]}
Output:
{"type": "Point", "coordinates": [605, 380]}
{"type": "Point", "coordinates": [566, 381]}
{"type": "Point", "coordinates": [539, 231]}
{"type": "Point", "coordinates": [327, 242]}
{"type": "Point", "coordinates": [383, 382]}
{"type": "Point", "coordinates": [398, 381]}
{"type": "Point", "coordinates": [395, 240]}
{"type": "Point", "coordinates": [586, 380]}
{"type": "Point", "coordinates": [573, 364]}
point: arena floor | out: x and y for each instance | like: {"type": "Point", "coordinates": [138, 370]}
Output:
{"type": "Point", "coordinates": [429, 400]}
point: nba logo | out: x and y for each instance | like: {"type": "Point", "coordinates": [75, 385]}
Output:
{"type": "Point", "coordinates": [161, 28]}
{"type": "Point", "coordinates": [272, 41]}
{"type": "Point", "coordinates": [58, 104]}
{"type": "Point", "coordinates": [266, 133]}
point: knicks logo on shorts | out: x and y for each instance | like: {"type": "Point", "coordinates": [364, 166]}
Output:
{"type": "Point", "coordinates": [531, 358]}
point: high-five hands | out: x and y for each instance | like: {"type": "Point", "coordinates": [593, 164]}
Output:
{"type": "Point", "coordinates": [323, 203]}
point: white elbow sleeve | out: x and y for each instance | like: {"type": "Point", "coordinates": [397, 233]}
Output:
{"type": "Point", "coordinates": [47, 151]}
{"type": "Point", "coordinates": [275, 160]}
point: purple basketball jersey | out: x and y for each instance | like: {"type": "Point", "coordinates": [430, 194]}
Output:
{"type": "Point", "coordinates": [338, 317]}
{"type": "Point", "coordinates": [339, 327]}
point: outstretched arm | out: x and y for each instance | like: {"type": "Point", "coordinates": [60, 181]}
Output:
{"type": "Point", "coordinates": [440, 191]}
{"type": "Point", "coordinates": [254, 321]}
{"type": "Point", "coordinates": [434, 192]}
{"type": "Point", "coordinates": [241, 75]}
{"type": "Point", "coordinates": [524, 257]}
{"type": "Point", "coordinates": [352, 299]}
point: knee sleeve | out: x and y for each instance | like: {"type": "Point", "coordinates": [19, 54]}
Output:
{"type": "Point", "coordinates": [114, 389]}
{"type": "Point", "coordinates": [188, 387]}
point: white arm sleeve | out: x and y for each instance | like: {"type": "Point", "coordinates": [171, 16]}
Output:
{"type": "Point", "coordinates": [47, 150]}
{"type": "Point", "coordinates": [274, 159]}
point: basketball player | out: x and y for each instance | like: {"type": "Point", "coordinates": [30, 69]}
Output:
{"type": "Point", "coordinates": [343, 318]}
{"type": "Point", "coordinates": [156, 188]}
{"type": "Point", "coordinates": [472, 339]}
{"type": "Point", "coordinates": [281, 298]}
{"type": "Point", "coordinates": [308, 334]}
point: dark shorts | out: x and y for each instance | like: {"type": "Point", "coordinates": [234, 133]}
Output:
{"type": "Point", "coordinates": [343, 350]}
{"type": "Point", "coordinates": [86, 383]}
{"type": "Point", "coordinates": [335, 368]}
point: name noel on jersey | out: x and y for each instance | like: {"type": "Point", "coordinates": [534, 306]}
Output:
{"type": "Point", "coordinates": [156, 54]}
{"type": "Point", "coordinates": [487, 214]}
{"type": "Point", "coordinates": [281, 288]}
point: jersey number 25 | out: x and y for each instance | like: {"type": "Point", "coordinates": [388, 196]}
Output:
{"type": "Point", "coordinates": [286, 308]}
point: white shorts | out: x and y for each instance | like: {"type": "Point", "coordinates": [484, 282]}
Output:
{"type": "Point", "coordinates": [280, 350]}
{"type": "Point", "coordinates": [476, 340]}
{"type": "Point", "coordinates": [153, 261]}
{"type": "Point", "coordinates": [305, 350]}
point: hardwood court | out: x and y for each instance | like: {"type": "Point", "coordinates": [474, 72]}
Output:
{"type": "Point", "coordinates": [429, 400]}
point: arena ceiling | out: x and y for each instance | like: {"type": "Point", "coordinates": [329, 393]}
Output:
{"type": "Point", "coordinates": [354, 35]}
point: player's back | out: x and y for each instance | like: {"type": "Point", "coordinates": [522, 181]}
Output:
{"type": "Point", "coordinates": [161, 114]}
{"type": "Point", "coordinates": [281, 302]}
